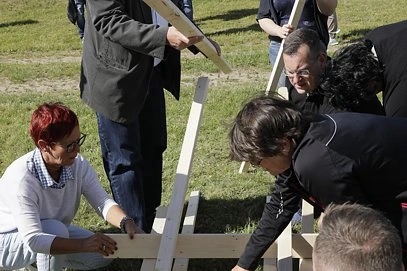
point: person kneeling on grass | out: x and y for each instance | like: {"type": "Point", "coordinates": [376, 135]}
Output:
{"type": "Point", "coordinates": [323, 159]}
{"type": "Point", "coordinates": [40, 194]}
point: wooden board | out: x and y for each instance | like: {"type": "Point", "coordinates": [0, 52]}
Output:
{"type": "Point", "coordinates": [174, 214]}
{"type": "Point", "coordinates": [204, 246]}
{"type": "Point", "coordinates": [181, 264]}
{"type": "Point", "coordinates": [169, 11]}
{"type": "Point", "coordinates": [278, 65]}
{"type": "Point", "coordinates": [158, 227]}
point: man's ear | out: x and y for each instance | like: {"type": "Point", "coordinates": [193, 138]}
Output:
{"type": "Point", "coordinates": [322, 59]}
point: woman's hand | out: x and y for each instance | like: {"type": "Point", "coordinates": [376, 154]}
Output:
{"type": "Point", "coordinates": [131, 228]}
{"type": "Point", "coordinates": [100, 243]}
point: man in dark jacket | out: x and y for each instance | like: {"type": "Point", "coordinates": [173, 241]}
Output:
{"type": "Point", "coordinates": [129, 55]}
{"type": "Point", "coordinates": [337, 158]}
{"type": "Point", "coordinates": [305, 61]}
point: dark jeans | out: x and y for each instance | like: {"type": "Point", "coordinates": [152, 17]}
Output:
{"type": "Point", "coordinates": [132, 156]}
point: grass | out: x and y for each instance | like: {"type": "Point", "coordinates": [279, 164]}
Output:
{"type": "Point", "coordinates": [37, 38]}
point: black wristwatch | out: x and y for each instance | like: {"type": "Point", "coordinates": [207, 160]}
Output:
{"type": "Point", "coordinates": [123, 222]}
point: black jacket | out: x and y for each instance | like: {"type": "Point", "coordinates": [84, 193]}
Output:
{"type": "Point", "coordinates": [343, 157]}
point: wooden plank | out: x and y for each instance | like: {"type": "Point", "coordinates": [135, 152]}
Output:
{"type": "Point", "coordinates": [204, 246]}
{"type": "Point", "coordinates": [278, 65]}
{"type": "Point", "coordinates": [181, 264]}
{"type": "Point", "coordinates": [174, 214]}
{"type": "Point", "coordinates": [244, 167]}
{"type": "Point", "coordinates": [158, 227]}
{"type": "Point", "coordinates": [307, 217]}
{"type": "Point", "coordinates": [169, 11]}
{"type": "Point", "coordinates": [307, 226]}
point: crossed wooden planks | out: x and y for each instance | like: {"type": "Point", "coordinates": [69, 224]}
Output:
{"type": "Point", "coordinates": [165, 244]}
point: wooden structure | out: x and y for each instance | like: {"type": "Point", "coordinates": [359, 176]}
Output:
{"type": "Point", "coordinates": [166, 249]}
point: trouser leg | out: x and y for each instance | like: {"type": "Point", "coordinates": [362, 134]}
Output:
{"type": "Point", "coordinates": [120, 145]}
{"type": "Point", "coordinates": [153, 134]}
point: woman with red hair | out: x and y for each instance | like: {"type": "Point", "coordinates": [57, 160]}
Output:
{"type": "Point", "coordinates": [40, 194]}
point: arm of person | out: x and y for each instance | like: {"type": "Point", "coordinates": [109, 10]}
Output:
{"type": "Point", "coordinates": [273, 29]}
{"type": "Point", "coordinates": [112, 20]}
{"type": "Point", "coordinates": [98, 242]}
{"type": "Point", "coordinates": [276, 216]}
{"type": "Point", "coordinates": [327, 7]}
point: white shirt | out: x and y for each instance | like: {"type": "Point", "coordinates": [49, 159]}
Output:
{"type": "Point", "coordinates": [158, 20]}
{"type": "Point", "coordinates": [24, 202]}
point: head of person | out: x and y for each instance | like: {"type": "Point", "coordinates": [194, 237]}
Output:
{"type": "Point", "coordinates": [353, 75]}
{"type": "Point", "coordinates": [358, 238]}
{"type": "Point", "coordinates": [305, 58]}
{"type": "Point", "coordinates": [54, 128]}
{"type": "Point", "coordinates": [265, 132]}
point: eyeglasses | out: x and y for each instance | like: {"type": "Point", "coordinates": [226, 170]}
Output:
{"type": "Point", "coordinates": [72, 146]}
{"type": "Point", "coordinates": [303, 73]}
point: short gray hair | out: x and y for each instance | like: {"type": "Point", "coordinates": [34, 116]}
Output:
{"type": "Point", "coordinates": [300, 37]}
{"type": "Point", "coordinates": [358, 238]}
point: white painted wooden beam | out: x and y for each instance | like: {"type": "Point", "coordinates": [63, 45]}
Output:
{"type": "Point", "coordinates": [174, 213]}
{"type": "Point", "coordinates": [181, 264]}
{"type": "Point", "coordinates": [158, 227]}
{"type": "Point", "coordinates": [278, 65]}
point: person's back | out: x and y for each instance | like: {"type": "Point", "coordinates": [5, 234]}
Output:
{"type": "Point", "coordinates": [390, 43]}
{"type": "Point", "coordinates": [357, 238]}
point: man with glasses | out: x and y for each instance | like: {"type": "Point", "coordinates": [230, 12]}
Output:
{"type": "Point", "coordinates": [305, 61]}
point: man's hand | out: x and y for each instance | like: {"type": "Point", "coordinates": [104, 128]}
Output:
{"type": "Point", "coordinates": [178, 41]}
{"type": "Point", "coordinates": [238, 268]}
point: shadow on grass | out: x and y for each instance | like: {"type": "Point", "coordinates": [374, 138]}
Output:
{"type": "Point", "coordinates": [355, 35]}
{"type": "Point", "coordinates": [230, 15]}
{"type": "Point", "coordinates": [18, 23]}
{"type": "Point", "coordinates": [253, 27]}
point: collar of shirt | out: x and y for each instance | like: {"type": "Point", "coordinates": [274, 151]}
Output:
{"type": "Point", "coordinates": [37, 167]}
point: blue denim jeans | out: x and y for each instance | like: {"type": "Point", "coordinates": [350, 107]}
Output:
{"type": "Point", "coordinates": [274, 47]}
{"type": "Point", "coordinates": [133, 154]}
{"type": "Point", "coordinates": [80, 23]}
{"type": "Point", "coordinates": [14, 254]}
{"type": "Point", "coordinates": [188, 9]}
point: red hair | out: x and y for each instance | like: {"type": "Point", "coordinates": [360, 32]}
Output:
{"type": "Point", "coordinates": [52, 122]}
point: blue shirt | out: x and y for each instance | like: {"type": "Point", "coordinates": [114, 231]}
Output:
{"type": "Point", "coordinates": [37, 167]}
